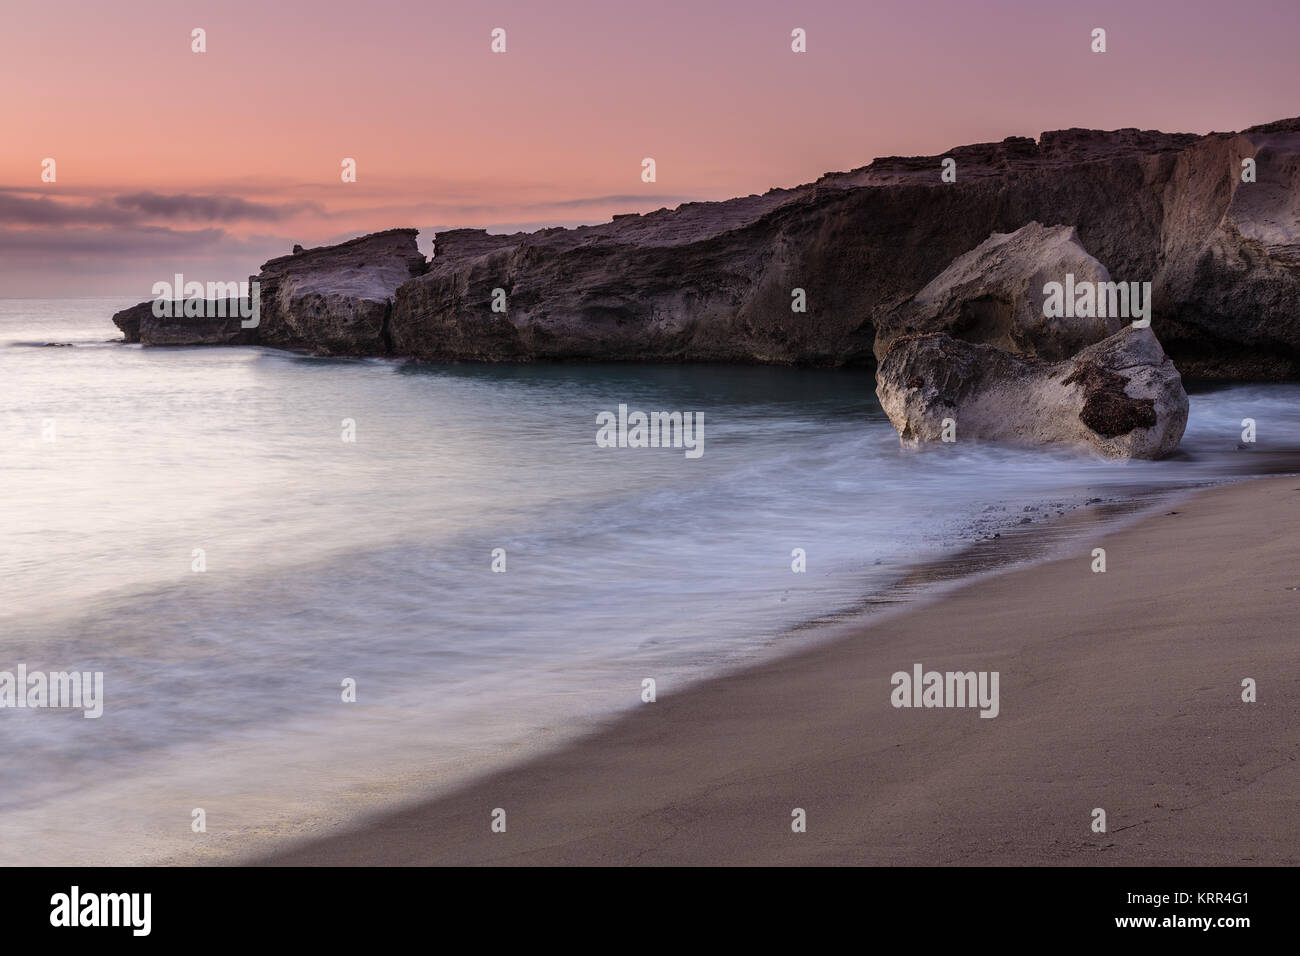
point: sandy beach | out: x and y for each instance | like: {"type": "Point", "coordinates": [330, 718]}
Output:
{"type": "Point", "coordinates": [1119, 690]}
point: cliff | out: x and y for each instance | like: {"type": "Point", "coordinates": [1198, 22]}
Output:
{"type": "Point", "coordinates": [716, 281]}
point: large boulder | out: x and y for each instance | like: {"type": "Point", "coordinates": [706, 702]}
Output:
{"type": "Point", "coordinates": [993, 294]}
{"type": "Point", "coordinates": [1122, 396]}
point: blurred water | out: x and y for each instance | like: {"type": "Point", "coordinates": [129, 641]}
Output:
{"type": "Point", "coordinates": [372, 560]}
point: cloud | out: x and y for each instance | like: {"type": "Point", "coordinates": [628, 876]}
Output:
{"type": "Point", "coordinates": [24, 211]}
{"type": "Point", "coordinates": [83, 240]}
{"type": "Point", "coordinates": [129, 243]}
{"type": "Point", "coordinates": [84, 260]}
{"type": "Point", "coordinates": [138, 209]}
{"type": "Point", "coordinates": [213, 208]}
{"type": "Point", "coordinates": [143, 208]}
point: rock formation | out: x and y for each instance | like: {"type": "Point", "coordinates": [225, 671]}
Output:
{"type": "Point", "coordinates": [337, 299]}
{"type": "Point", "coordinates": [717, 281]}
{"type": "Point", "coordinates": [139, 324]}
{"type": "Point", "coordinates": [1122, 396]}
{"type": "Point", "coordinates": [330, 300]}
{"type": "Point", "coordinates": [888, 263]}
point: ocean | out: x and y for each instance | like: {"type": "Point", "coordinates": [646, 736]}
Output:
{"type": "Point", "coordinates": [195, 524]}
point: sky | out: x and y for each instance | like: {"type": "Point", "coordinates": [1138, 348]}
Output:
{"type": "Point", "coordinates": [168, 160]}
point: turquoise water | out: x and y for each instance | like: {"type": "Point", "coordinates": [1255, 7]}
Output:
{"type": "Point", "coordinates": [372, 559]}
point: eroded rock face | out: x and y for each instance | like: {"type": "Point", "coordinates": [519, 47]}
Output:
{"type": "Point", "coordinates": [128, 320]}
{"type": "Point", "coordinates": [139, 324]}
{"type": "Point", "coordinates": [714, 281]}
{"type": "Point", "coordinates": [994, 295]}
{"type": "Point", "coordinates": [1122, 396]}
{"type": "Point", "coordinates": [717, 281]}
{"type": "Point", "coordinates": [330, 300]}
{"type": "Point", "coordinates": [337, 299]}
{"type": "Point", "coordinates": [707, 282]}
{"type": "Point", "coordinates": [1231, 272]}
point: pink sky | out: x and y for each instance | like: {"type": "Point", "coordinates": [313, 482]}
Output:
{"type": "Point", "coordinates": [210, 163]}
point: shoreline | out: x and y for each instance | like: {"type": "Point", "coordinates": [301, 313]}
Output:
{"type": "Point", "coordinates": [443, 762]}
{"type": "Point", "coordinates": [710, 775]}
{"type": "Point", "coordinates": [283, 782]}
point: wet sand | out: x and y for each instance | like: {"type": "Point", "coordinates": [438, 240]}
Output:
{"type": "Point", "coordinates": [1119, 690]}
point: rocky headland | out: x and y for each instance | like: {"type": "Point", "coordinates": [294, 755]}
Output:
{"type": "Point", "coordinates": [932, 281]}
